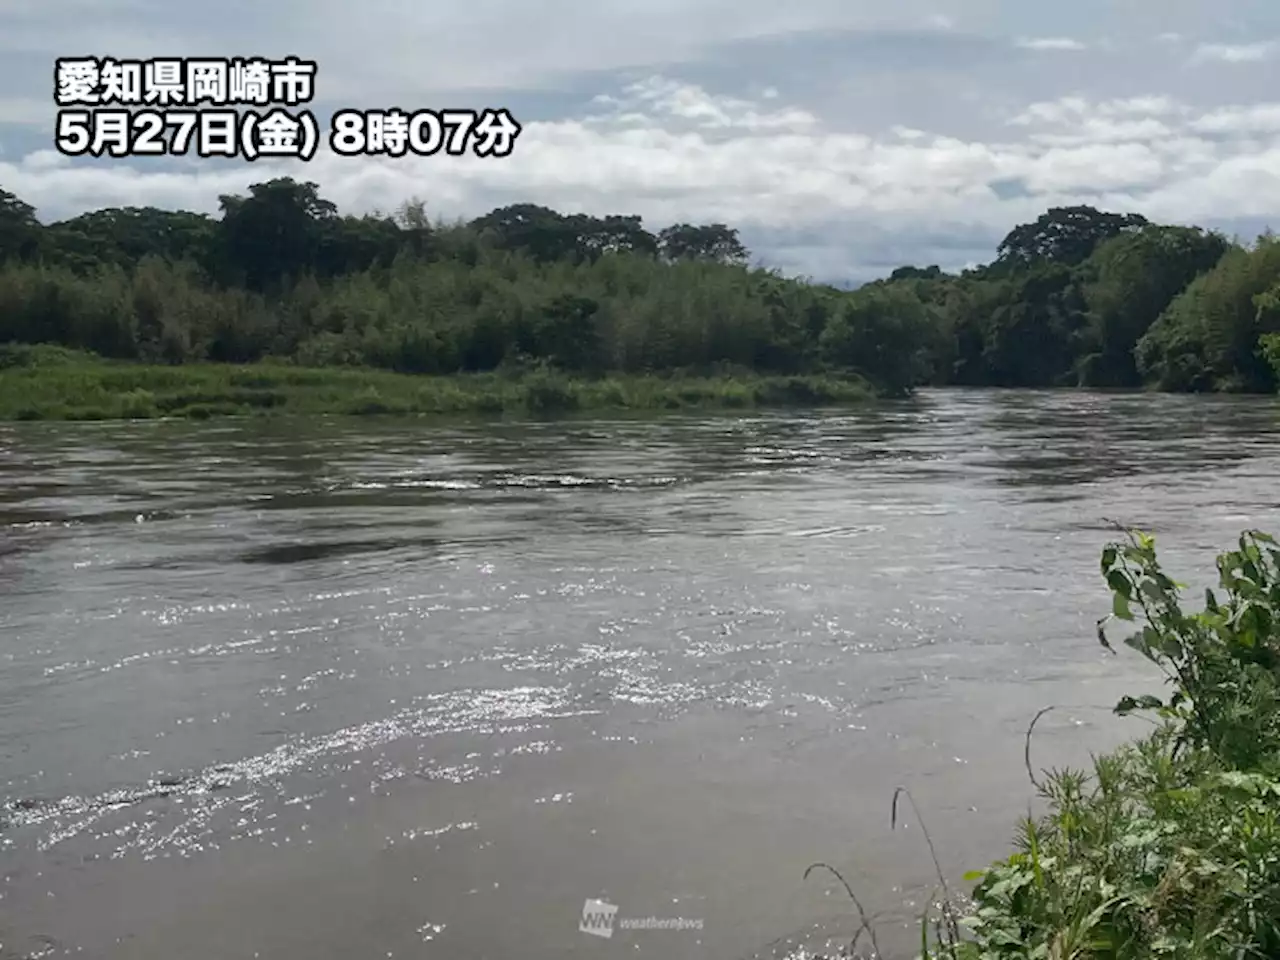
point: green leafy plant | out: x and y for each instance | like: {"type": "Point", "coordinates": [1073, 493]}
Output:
{"type": "Point", "coordinates": [1270, 343]}
{"type": "Point", "coordinates": [1170, 846]}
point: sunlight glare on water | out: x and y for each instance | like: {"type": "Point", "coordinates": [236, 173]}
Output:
{"type": "Point", "coordinates": [363, 688]}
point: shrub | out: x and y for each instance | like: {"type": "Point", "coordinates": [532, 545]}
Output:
{"type": "Point", "coordinates": [1170, 847]}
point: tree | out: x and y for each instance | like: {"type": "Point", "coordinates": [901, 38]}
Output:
{"type": "Point", "coordinates": [275, 233]}
{"type": "Point", "coordinates": [916, 273]}
{"type": "Point", "coordinates": [1078, 296]}
{"type": "Point", "coordinates": [1208, 338]}
{"type": "Point", "coordinates": [20, 231]}
{"type": "Point", "coordinates": [713, 242]}
{"type": "Point", "coordinates": [564, 332]}
{"type": "Point", "coordinates": [614, 234]}
{"type": "Point", "coordinates": [128, 235]}
{"type": "Point", "coordinates": [1029, 338]}
{"type": "Point", "coordinates": [352, 244]}
{"type": "Point", "coordinates": [1269, 345]}
{"type": "Point", "coordinates": [539, 231]}
{"type": "Point", "coordinates": [412, 215]}
{"type": "Point", "coordinates": [882, 333]}
{"type": "Point", "coordinates": [414, 227]}
{"type": "Point", "coordinates": [1133, 277]}
{"type": "Point", "coordinates": [1066, 235]}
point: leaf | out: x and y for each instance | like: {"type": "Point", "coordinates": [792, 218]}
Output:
{"type": "Point", "coordinates": [1108, 560]}
{"type": "Point", "coordinates": [1128, 704]}
{"type": "Point", "coordinates": [1145, 642]}
{"type": "Point", "coordinates": [1120, 606]}
{"type": "Point", "coordinates": [1119, 582]}
{"type": "Point", "coordinates": [1249, 782]}
{"type": "Point", "coordinates": [1210, 601]}
{"type": "Point", "coordinates": [1099, 912]}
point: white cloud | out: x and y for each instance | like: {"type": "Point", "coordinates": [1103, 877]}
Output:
{"type": "Point", "coordinates": [681, 103]}
{"type": "Point", "coordinates": [671, 151]}
{"type": "Point", "coordinates": [1077, 122]}
{"type": "Point", "coordinates": [1076, 109]}
{"type": "Point", "coordinates": [1253, 120]}
{"type": "Point", "coordinates": [1234, 53]}
{"type": "Point", "coordinates": [45, 160]}
{"type": "Point", "coordinates": [1050, 43]}
{"type": "Point", "coordinates": [1141, 106]}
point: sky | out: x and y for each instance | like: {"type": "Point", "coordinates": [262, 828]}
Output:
{"type": "Point", "coordinates": [843, 138]}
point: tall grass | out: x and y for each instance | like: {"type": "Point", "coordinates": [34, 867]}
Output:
{"type": "Point", "coordinates": [53, 383]}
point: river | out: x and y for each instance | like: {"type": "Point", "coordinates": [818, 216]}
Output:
{"type": "Point", "coordinates": [385, 688]}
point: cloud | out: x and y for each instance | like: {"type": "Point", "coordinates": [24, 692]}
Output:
{"type": "Point", "coordinates": [811, 198]}
{"type": "Point", "coordinates": [681, 103]}
{"type": "Point", "coordinates": [26, 110]}
{"type": "Point", "coordinates": [1050, 43]}
{"type": "Point", "coordinates": [1254, 120]}
{"type": "Point", "coordinates": [843, 136]}
{"type": "Point", "coordinates": [416, 50]}
{"type": "Point", "coordinates": [1074, 121]}
{"type": "Point", "coordinates": [1234, 53]}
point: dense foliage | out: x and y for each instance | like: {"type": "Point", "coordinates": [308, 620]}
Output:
{"type": "Point", "coordinates": [1169, 847]}
{"type": "Point", "coordinates": [1079, 297]}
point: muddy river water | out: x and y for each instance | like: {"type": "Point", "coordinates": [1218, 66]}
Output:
{"type": "Point", "coordinates": [366, 689]}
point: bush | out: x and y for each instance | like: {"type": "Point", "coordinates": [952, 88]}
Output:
{"type": "Point", "coordinates": [38, 355]}
{"type": "Point", "coordinates": [1171, 846]}
{"type": "Point", "coordinates": [1270, 347]}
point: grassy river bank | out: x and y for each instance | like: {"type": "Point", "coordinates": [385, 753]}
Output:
{"type": "Point", "coordinates": [53, 383]}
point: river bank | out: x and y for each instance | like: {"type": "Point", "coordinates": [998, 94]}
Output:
{"type": "Point", "coordinates": [50, 383]}
{"type": "Point", "coordinates": [1167, 845]}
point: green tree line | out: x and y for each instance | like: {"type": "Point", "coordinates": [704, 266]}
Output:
{"type": "Point", "coordinates": [1080, 297]}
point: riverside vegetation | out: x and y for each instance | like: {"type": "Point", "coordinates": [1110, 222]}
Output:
{"type": "Point", "coordinates": [1170, 846]}
{"type": "Point", "coordinates": [281, 303]}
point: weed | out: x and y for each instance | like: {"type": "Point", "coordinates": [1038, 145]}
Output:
{"type": "Point", "coordinates": [1169, 847]}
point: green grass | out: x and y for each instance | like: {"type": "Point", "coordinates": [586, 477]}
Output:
{"type": "Point", "coordinates": [53, 383]}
